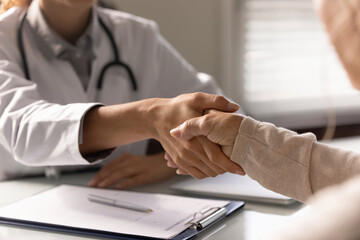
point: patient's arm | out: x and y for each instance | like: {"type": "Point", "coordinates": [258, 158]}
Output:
{"type": "Point", "coordinates": [342, 21]}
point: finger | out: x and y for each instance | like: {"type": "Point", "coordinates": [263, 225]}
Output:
{"type": "Point", "coordinates": [133, 181]}
{"type": "Point", "coordinates": [118, 175]}
{"type": "Point", "coordinates": [195, 146]}
{"type": "Point", "coordinates": [108, 168]}
{"type": "Point", "coordinates": [191, 128]}
{"type": "Point", "coordinates": [213, 153]}
{"type": "Point", "coordinates": [170, 162]}
{"type": "Point", "coordinates": [167, 157]}
{"type": "Point", "coordinates": [205, 101]}
{"type": "Point", "coordinates": [200, 126]}
{"type": "Point", "coordinates": [207, 167]}
{"type": "Point", "coordinates": [216, 155]}
{"type": "Point", "coordinates": [194, 172]}
{"type": "Point", "coordinates": [211, 111]}
{"type": "Point", "coordinates": [181, 172]}
{"type": "Point", "coordinates": [198, 169]}
{"type": "Point", "coordinates": [188, 161]}
{"type": "Point", "coordinates": [196, 157]}
{"type": "Point", "coordinates": [100, 176]}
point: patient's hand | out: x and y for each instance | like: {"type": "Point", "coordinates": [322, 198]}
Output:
{"type": "Point", "coordinates": [220, 128]}
{"type": "Point", "coordinates": [342, 22]}
{"type": "Point", "coordinates": [132, 170]}
{"type": "Point", "coordinates": [198, 156]}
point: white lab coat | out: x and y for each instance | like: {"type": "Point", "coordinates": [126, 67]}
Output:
{"type": "Point", "coordinates": [40, 119]}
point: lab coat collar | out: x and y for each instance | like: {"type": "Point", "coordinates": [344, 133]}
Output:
{"type": "Point", "coordinates": [54, 43]}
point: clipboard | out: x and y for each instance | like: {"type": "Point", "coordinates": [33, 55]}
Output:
{"type": "Point", "coordinates": [194, 230]}
{"type": "Point", "coordinates": [197, 223]}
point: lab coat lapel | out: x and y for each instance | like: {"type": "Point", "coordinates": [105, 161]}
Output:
{"type": "Point", "coordinates": [57, 81]}
{"type": "Point", "coordinates": [102, 53]}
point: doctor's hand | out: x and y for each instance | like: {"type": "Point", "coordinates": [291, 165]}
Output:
{"type": "Point", "coordinates": [106, 127]}
{"type": "Point", "coordinates": [342, 22]}
{"type": "Point", "coordinates": [198, 156]}
{"type": "Point", "coordinates": [220, 128]}
{"type": "Point", "coordinates": [132, 170]}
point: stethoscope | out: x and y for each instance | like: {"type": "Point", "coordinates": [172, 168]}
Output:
{"type": "Point", "coordinates": [114, 63]}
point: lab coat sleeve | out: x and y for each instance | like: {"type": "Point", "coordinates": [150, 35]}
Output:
{"type": "Point", "coordinates": [33, 131]}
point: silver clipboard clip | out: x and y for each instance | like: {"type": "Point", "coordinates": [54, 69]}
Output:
{"type": "Point", "coordinates": [207, 219]}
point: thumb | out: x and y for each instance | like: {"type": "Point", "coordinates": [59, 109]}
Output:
{"type": "Point", "coordinates": [189, 129]}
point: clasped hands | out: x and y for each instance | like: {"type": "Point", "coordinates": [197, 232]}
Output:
{"type": "Point", "coordinates": [202, 145]}
{"type": "Point", "coordinates": [196, 148]}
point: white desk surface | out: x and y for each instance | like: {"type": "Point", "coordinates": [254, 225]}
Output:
{"type": "Point", "coordinates": [254, 221]}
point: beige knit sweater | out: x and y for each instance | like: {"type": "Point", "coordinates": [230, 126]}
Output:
{"type": "Point", "coordinates": [298, 166]}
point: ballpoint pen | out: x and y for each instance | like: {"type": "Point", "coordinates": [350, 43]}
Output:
{"type": "Point", "coordinates": [117, 203]}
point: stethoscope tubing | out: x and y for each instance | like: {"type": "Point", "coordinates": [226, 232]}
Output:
{"type": "Point", "coordinates": [21, 46]}
{"type": "Point", "coordinates": [115, 62]}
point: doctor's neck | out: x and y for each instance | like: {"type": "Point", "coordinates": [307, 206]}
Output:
{"type": "Point", "coordinates": [68, 18]}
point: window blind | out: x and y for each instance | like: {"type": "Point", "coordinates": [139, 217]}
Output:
{"type": "Point", "coordinates": [291, 74]}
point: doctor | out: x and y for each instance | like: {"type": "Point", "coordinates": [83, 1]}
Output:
{"type": "Point", "coordinates": [78, 81]}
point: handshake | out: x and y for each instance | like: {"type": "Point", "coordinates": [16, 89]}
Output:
{"type": "Point", "coordinates": [205, 143]}
{"type": "Point", "coordinates": [202, 145]}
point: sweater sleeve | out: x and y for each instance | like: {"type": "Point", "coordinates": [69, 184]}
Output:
{"type": "Point", "coordinates": [330, 166]}
{"type": "Point", "coordinates": [289, 163]}
{"type": "Point", "coordinates": [277, 158]}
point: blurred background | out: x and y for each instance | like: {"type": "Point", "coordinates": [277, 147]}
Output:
{"type": "Point", "coordinates": [271, 56]}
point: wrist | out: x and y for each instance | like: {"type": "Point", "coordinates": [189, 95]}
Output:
{"type": "Point", "coordinates": [111, 126]}
{"type": "Point", "coordinates": [153, 117]}
{"type": "Point", "coordinates": [142, 119]}
{"type": "Point", "coordinates": [232, 133]}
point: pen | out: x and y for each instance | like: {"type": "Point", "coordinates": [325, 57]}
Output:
{"type": "Point", "coordinates": [117, 203]}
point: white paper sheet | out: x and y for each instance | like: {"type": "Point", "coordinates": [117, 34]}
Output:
{"type": "Point", "coordinates": [67, 205]}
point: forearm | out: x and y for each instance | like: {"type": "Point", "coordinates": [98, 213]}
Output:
{"type": "Point", "coordinates": [107, 127]}
{"type": "Point", "coordinates": [291, 164]}
{"type": "Point", "coordinates": [275, 157]}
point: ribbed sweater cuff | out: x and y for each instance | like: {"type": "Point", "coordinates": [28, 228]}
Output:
{"type": "Point", "coordinates": [247, 129]}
